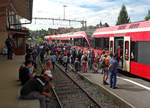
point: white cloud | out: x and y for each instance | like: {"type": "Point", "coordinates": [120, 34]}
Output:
{"type": "Point", "coordinates": [108, 11]}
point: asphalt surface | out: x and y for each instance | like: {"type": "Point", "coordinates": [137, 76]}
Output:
{"type": "Point", "coordinates": [8, 81]}
{"type": "Point", "coordinates": [134, 91]}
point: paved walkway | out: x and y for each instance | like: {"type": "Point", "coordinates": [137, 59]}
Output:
{"type": "Point", "coordinates": [136, 95]}
{"type": "Point", "coordinates": [8, 81]}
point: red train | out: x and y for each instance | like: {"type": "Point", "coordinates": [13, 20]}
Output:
{"type": "Point", "coordinates": [133, 39]}
{"type": "Point", "coordinates": [78, 39]}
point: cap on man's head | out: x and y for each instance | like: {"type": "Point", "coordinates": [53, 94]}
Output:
{"type": "Point", "coordinates": [48, 73]}
{"type": "Point", "coordinates": [105, 55]}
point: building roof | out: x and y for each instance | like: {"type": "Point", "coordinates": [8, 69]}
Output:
{"type": "Point", "coordinates": [22, 8]}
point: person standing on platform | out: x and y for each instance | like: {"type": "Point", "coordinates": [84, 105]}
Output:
{"type": "Point", "coordinates": [53, 59]}
{"type": "Point", "coordinates": [10, 47]}
{"type": "Point", "coordinates": [113, 72]}
{"type": "Point", "coordinates": [119, 55]}
{"type": "Point", "coordinates": [105, 68]}
{"type": "Point", "coordinates": [77, 65]}
{"type": "Point", "coordinates": [65, 60]}
{"type": "Point", "coordinates": [84, 62]}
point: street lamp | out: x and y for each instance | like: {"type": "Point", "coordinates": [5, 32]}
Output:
{"type": "Point", "coordinates": [64, 10]}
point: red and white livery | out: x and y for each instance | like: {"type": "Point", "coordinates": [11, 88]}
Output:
{"type": "Point", "coordinates": [134, 38]}
{"type": "Point", "coordinates": [70, 36]}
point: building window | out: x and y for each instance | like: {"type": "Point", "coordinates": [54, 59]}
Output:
{"type": "Point", "coordinates": [19, 43]}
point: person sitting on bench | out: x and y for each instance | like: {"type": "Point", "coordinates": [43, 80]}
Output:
{"type": "Point", "coordinates": [34, 89]}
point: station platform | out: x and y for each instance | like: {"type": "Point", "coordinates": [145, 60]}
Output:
{"type": "Point", "coordinates": [135, 92]}
{"type": "Point", "coordinates": [8, 81]}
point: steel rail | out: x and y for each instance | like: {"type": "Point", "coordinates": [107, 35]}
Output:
{"type": "Point", "coordinates": [53, 89]}
{"type": "Point", "coordinates": [80, 87]}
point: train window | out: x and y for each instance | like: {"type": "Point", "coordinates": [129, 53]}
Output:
{"type": "Point", "coordinates": [111, 46]}
{"type": "Point", "coordinates": [84, 43]}
{"type": "Point", "coordinates": [102, 43]}
{"type": "Point", "coordinates": [77, 42]}
{"type": "Point", "coordinates": [134, 51]}
{"type": "Point", "coordinates": [92, 42]}
{"type": "Point", "coordinates": [106, 43]}
{"type": "Point", "coordinates": [81, 42]}
{"type": "Point", "coordinates": [126, 50]}
{"type": "Point", "coordinates": [144, 52]}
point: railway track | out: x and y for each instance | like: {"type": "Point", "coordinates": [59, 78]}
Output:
{"type": "Point", "coordinates": [68, 92]}
{"type": "Point", "coordinates": [72, 92]}
{"type": "Point", "coordinates": [94, 92]}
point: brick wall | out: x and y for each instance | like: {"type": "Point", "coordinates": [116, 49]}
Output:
{"type": "Point", "coordinates": [3, 32]}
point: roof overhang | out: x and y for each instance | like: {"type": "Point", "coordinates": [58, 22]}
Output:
{"type": "Point", "coordinates": [22, 32]}
{"type": "Point", "coordinates": [22, 8]}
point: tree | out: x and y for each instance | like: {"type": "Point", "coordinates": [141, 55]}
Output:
{"type": "Point", "coordinates": [100, 24]}
{"type": "Point", "coordinates": [123, 16]}
{"type": "Point", "coordinates": [148, 16]}
{"type": "Point", "coordinates": [106, 25]}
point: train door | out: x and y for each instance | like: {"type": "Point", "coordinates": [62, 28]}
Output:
{"type": "Point", "coordinates": [126, 54]}
{"type": "Point", "coordinates": [111, 44]}
{"type": "Point", "coordinates": [71, 41]}
{"type": "Point", "coordinates": [118, 50]}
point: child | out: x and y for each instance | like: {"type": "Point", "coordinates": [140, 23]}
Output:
{"type": "Point", "coordinates": [95, 67]}
{"type": "Point", "coordinates": [77, 64]}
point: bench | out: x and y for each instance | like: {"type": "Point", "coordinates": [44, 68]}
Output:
{"type": "Point", "coordinates": [22, 103]}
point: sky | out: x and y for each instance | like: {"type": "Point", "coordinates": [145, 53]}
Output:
{"type": "Point", "coordinates": [93, 11]}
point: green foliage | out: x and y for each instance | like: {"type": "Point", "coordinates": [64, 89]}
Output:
{"type": "Point", "coordinates": [106, 25]}
{"type": "Point", "coordinates": [123, 16]}
{"type": "Point", "coordinates": [39, 33]}
{"type": "Point", "coordinates": [38, 39]}
{"type": "Point", "coordinates": [148, 16]}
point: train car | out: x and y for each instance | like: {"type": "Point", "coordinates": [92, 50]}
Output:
{"type": "Point", "coordinates": [78, 39]}
{"type": "Point", "coordinates": [58, 38]}
{"type": "Point", "coordinates": [134, 42]}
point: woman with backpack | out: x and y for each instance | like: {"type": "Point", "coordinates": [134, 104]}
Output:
{"type": "Point", "coordinates": [106, 69]}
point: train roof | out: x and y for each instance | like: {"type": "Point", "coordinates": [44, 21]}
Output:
{"type": "Point", "coordinates": [124, 28]}
{"type": "Point", "coordinates": [67, 36]}
{"type": "Point", "coordinates": [79, 34]}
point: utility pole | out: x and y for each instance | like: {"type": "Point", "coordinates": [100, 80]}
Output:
{"type": "Point", "coordinates": [64, 10]}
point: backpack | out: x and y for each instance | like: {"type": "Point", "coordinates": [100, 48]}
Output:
{"type": "Point", "coordinates": [106, 61]}
{"type": "Point", "coordinates": [20, 70]}
{"type": "Point", "coordinates": [85, 58]}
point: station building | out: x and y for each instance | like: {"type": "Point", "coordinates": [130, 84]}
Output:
{"type": "Point", "coordinates": [14, 14]}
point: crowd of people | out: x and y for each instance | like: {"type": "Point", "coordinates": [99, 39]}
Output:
{"type": "Point", "coordinates": [81, 60]}
{"type": "Point", "coordinates": [49, 53]}
{"type": "Point", "coordinates": [35, 86]}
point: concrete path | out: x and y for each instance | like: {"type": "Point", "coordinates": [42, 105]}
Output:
{"type": "Point", "coordinates": [131, 92]}
{"type": "Point", "coordinates": [8, 81]}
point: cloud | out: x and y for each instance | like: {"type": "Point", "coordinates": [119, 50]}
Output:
{"type": "Point", "coordinates": [93, 11]}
